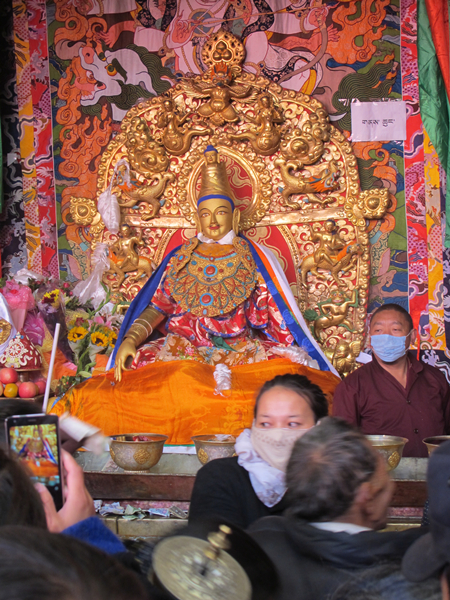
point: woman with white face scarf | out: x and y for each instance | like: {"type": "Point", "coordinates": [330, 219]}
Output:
{"type": "Point", "coordinates": [251, 485]}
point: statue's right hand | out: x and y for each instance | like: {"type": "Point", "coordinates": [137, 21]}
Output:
{"type": "Point", "coordinates": [126, 350]}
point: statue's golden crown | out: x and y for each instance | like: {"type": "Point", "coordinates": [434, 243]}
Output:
{"type": "Point", "coordinates": [215, 181]}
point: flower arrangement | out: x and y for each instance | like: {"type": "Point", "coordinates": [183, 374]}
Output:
{"type": "Point", "coordinates": [88, 336]}
{"type": "Point", "coordinates": [50, 302]}
{"type": "Point", "coordinates": [85, 331]}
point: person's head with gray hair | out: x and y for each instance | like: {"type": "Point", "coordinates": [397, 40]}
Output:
{"type": "Point", "coordinates": [334, 474]}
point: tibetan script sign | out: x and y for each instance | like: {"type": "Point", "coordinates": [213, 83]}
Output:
{"type": "Point", "coordinates": [378, 121]}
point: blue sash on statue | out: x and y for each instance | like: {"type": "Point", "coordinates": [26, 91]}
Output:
{"type": "Point", "coordinates": [291, 321]}
{"type": "Point", "coordinates": [141, 301]}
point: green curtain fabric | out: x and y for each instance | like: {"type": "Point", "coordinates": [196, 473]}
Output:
{"type": "Point", "coordinates": [434, 104]}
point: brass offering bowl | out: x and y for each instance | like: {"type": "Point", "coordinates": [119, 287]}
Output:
{"type": "Point", "coordinates": [390, 447]}
{"type": "Point", "coordinates": [137, 454]}
{"type": "Point", "coordinates": [434, 442]}
{"type": "Point", "coordinates": [209, 447]}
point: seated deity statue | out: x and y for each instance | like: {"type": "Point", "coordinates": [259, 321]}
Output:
{"type": "Point", "coordinates": [220, 298]}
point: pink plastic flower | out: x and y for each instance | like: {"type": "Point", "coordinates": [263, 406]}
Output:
{"type": "Point", "coordinates": [18, 295]}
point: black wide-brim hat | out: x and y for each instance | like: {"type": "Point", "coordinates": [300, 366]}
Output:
{"type": "Point", "coordinates": [422, 560]}
{"type": "Point", "coordinates": [430, 554]}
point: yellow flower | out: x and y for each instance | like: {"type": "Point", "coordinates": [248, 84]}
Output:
{"type": "Point", "coordinates": [76, 334]}
{"type": "Point", "coordinates": [52, 298]}
{"type": "Point", "coordinates": [112, 338]}
{"type": "Point", "coordinates": [99, 339]}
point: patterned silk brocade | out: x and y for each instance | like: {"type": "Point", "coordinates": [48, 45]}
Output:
{"type": "Point", "coordinates": [242, 334]}
{"type": "Point", "coordinates": [215, 280]}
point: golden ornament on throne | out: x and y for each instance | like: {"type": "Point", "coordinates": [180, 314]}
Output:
{"type": "Point", "coordinates": [240, 239]}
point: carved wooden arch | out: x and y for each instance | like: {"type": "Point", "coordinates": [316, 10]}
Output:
{"type": "Point", "coordinates": [291, 171]}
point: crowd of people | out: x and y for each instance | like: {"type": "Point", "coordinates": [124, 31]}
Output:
{"type": "Point", "coordinates": [303, 500]}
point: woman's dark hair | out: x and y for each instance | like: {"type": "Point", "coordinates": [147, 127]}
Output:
{"type": "Point", "coordinates": [20, 503]}
{"type": "Point", "coordinates": [39, 565]}
{"type": "Point", "coordinates": [303, 387]}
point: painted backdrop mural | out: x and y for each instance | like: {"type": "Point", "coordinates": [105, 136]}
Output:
{"type": "Point", "coordinates": [105, 56]}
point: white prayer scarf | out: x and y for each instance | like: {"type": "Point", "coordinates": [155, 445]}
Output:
{"type": "Point", "coordinates": [269, 483]}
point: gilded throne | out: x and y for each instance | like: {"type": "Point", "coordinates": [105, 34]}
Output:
{"type": "Point", "coordinates": [293, 175]}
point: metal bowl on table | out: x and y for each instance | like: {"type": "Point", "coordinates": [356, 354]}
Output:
{"type": "Point", "coordinates": [209, 447]}
{"type": "Point", "coordinates": [434, 442]}
{"type": "Point", "coordinates": [137, 451]}
{"type": "Point", "coordinates": [390, 447]}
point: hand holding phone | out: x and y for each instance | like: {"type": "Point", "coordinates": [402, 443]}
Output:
{"type": "Point", "coordinates": [78, 505]}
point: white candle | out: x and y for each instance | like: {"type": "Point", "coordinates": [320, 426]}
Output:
{"type": "Point", "coordinates": [50, 367]}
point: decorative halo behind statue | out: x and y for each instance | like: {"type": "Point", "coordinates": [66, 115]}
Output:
{"type": "Point", "coordinates": [291, 172]}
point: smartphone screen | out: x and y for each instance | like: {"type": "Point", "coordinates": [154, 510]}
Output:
{"type": "Point", "coordinates": [34, 439]}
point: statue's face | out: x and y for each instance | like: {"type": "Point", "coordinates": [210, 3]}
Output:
{"type": "Point", "coordinates": [216, 218]}
{"type": "Point", "coordinates": [211, 157]}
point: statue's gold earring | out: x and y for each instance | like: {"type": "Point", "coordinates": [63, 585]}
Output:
{"type": "Point", "coordinates": [236, 220]}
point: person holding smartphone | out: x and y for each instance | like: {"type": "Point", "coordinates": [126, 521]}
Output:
{"type": "Point", "coordinates": [42, 485]}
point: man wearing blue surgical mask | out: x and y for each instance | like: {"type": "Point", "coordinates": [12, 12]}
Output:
{"type": "Point", "coordinates": [395, 394]}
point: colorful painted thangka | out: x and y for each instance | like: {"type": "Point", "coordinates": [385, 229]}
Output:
{"type": "Point", "coordinates": [34, 145]}
{"type": "Point", "coordinates": [108, 55]}
{"type": "Point", "coordinates": [12, 224]}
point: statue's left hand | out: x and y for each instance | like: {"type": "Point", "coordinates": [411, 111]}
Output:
{"type": "Point", "coordinates": [126, 350]}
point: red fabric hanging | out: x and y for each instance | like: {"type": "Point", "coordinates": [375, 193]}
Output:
{"type": "Point", "coordinates": [438, 15]}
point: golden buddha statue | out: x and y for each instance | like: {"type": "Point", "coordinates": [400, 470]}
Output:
{"type": "Point", "coordinates": [217, 304]}
{"type": "Point", "coordinates": [219, 299]}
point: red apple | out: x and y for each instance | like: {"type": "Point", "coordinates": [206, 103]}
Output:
{"type": "Point", "coordinates": [41, 385]}
{"type": "Point", "coordinates": [28, 389]}
{"type": "Point", "coordinates": [8, 375]}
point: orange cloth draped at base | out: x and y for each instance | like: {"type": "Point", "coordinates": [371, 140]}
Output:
{"type": "Point", "coordinates": [62, 368]}
{"type": "Point", "coordinates": [177, 398]}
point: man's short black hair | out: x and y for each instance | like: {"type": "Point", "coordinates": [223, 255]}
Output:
{"type": "Point", "coordinates": [35, 563]}
{"type": "Point", "coordinates": [326, 468]}
{"type": "Point", "coordinates": [397, 308]}
{"type": "Point", "coordinates": [303, 387]}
